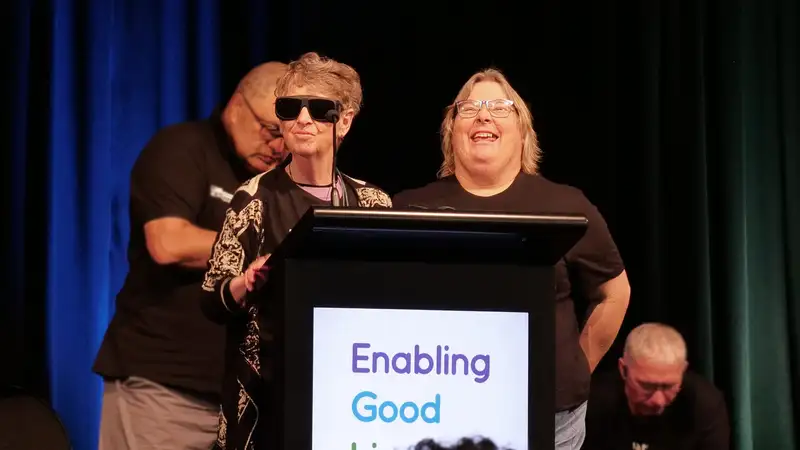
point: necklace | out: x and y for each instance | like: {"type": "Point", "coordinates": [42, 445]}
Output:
{"type": "Point", "coordinates": [289, 169]}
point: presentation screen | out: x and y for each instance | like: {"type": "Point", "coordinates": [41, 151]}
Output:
{"type": "Point", "coordinates": [386, 379]}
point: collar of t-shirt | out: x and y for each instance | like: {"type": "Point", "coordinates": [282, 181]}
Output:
{"type": "Point", "coordinates": [456, 197]}
{"type": "Point", "coordinates": [323, 192]}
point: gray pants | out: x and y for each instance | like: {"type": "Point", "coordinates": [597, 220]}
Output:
{"type": "Point", "coordinates": [571, 428]}
{"type": "Point", "coordinates": [139, 414]}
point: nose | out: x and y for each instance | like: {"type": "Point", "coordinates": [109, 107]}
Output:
{"type": "Point", "coordinates": [304, 116]}
{"type": "Point", "coordinates": [276, 144]}
{"type": "Point", "coordinates": [483, 114]}
{"type": "Point", "coordinates": [659, 399]}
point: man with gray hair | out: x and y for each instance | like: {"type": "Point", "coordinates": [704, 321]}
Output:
{"type": "Point", "coordinates": [653, 402]}
{"type": "Point", "coordinates": [161, 360]}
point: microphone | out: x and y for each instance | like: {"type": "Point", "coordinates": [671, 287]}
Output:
{"type": "Point", "coordinates": [333, 117]}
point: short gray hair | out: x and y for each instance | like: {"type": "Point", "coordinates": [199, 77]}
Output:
{"type": "Point", "coordinates": [655, 342]}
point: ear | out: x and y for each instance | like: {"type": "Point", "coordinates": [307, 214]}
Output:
{"type": "Point", "coordinates": [345, 122]}
{"type": "Point", "coordinates": [622, 369]}
{"type": "Point", "coordinates": [235, 107]}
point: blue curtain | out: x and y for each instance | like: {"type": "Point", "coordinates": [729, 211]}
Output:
{"type": "Point", "coordinates": [91, 81]}
{"type": "Point", "coordinates": [112, 73]}
{"type": "Point", "coordinates": [120, 70]}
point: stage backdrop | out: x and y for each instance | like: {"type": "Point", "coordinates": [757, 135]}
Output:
{"type": "Point", "coordinates": [678, 118]}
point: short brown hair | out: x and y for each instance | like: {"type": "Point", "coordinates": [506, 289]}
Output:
{"type": "Point", "coordinates": [335, 79]}
{"type": "Point", "coordinates": [531, 153]}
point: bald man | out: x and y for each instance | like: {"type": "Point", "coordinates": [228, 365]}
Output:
{"type": "Point", "coordinates": [161, 360]}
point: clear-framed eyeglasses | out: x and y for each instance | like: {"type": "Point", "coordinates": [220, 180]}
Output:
{"type": "Point", "coordinates": [499, 108]}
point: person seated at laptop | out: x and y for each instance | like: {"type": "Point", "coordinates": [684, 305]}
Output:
{"type": "Point", "coordinates": [653, 402]}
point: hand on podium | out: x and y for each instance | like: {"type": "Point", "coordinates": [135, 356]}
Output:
{"type": "Point", "coordinates": [256, 274]}
{"type": "Point", "coordinates": [253, 278]}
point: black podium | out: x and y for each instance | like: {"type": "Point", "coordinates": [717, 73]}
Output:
{"type": "Point", "coordinates": [454, 281]}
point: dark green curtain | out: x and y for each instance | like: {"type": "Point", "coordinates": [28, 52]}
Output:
{"type": "Point", "coordinates": [706, 113]}
{"type": "Point", "coordinates": [758, 246]}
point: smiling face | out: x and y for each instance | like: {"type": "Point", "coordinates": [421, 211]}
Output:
{"type": "Point", "coordinates": [307, 137]}
{"type": "Point", "coordinates": [487, 142]}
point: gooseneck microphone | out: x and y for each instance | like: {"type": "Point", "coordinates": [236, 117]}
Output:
{"type": "Point", "coordinates": [333, 117]}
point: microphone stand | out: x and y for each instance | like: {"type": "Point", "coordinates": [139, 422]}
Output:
{"type": "Point", "coordinates": [333, 116]}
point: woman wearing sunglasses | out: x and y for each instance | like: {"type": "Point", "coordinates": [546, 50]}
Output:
{"type": "Point", "coordinates": [316, 98]}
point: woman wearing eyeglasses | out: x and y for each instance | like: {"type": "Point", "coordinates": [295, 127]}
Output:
{"type": "Point", "coordinates": [316, 98]}
{"type": "Point", "coordinates": [490, 163]}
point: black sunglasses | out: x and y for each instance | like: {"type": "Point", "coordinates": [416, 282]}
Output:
{"type": "Point", "coordinates": [288, 108]}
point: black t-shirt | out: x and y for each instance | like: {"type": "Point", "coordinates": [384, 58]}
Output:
{"type": "Point", "coordinates": [696, 420]}
{"type": "Point", "coordinates": [158, 331]}
{"type": "Point", "coordinates": [590, 263]}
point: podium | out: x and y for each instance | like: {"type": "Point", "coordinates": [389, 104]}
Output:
{"type": "Point", "coordinates": [391, 326]}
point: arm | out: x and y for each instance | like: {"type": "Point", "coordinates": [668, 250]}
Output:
{"type": "Point", "coordinates": [172, 240]}
{"type": "Point", "coordinates": [168, 190]}
{"type": "Point", "coordinates": [604, 282]}
{"type": "Point", "coordinates": [716, 432]}
{"type": "Point", "coordinates": [236, 247]}
{"type": "Point", "coordinates": [605, 319]}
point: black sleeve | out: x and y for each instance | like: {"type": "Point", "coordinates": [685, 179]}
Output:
{"type": "Point", "coordinates": [237, 245]}
{"type": "Point", "coordinates": [168, 178]}
{"type": "Point", "coordinates": [601, 412]}
{"type": "Point", "coordinates": [715, 429]}
{"type": "Point", "coordinates": [595, 258]}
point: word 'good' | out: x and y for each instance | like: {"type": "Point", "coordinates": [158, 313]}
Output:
{"type": "Point", "coordinates": [366, 409]}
